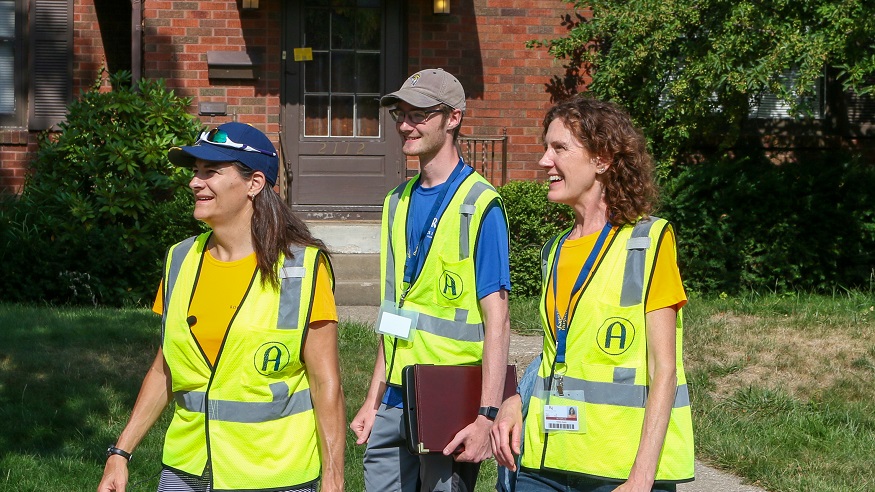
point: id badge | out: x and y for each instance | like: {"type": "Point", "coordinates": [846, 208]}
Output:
{"type": "Point", "coordinates": [563, 409]}
{"type": "Point", "coordinates": [562, 418]}
{"type": "Point", "coordinates": [399, 323]}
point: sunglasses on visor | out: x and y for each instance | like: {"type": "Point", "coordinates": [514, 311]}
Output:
{"type": "Point", "coordinates": [221, 138]}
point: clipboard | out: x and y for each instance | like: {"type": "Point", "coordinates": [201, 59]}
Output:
{"type": "Point", "coordinates": [439, 401]}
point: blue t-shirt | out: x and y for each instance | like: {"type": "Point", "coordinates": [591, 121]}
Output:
{"type": "Point", "coordinates": [491, 264]}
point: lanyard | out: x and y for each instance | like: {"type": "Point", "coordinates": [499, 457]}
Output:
{"type": "Point", "coordinates": [561, 324]}
{"type": "Point", "coordinates": [428, 229]}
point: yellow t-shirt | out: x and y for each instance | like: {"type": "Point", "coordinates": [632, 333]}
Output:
{"type": "Point", "coordinates": [220, 288]}
{"type": "Point", "coordinates": [666, 289]}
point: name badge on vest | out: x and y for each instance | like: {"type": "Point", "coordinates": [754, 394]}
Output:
{"type": "Point", "coordinates": [396, 322]}
{"type": "Point", "coordinates": [563, 409]}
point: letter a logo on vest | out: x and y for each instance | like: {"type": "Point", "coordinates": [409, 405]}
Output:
{"type": "Point", "coordinates": [450, 285]}
{"type": "Point", "coordinates": [270, 358]}
{"type": "Point", "coordinates": [615, 336]}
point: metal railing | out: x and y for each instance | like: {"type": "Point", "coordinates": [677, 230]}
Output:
{"type": "Point", "coordinates": [480, 153]}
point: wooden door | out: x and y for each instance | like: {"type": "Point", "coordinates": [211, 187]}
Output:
{"type": "Point", "coordinates": [341, 151]}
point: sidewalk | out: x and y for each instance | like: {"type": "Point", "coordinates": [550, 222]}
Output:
{"type": "Point", "coordinates": [522, 350]}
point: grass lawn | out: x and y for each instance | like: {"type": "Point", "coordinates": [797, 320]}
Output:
{"type": "Point", "coordinates": [68, 380]}
{"type": "Point", "coordinates": [783, 391]}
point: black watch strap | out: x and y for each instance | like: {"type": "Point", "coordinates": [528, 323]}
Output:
{"type": "Point", "coordinates": [121, 452]}
{"type": "Point", "coordinates": [488, 412]}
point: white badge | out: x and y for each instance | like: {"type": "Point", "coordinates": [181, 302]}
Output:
{"type": "Point", "coordinates": [400, 323]}
{"type": "Point", "coordinates": [563, 418]}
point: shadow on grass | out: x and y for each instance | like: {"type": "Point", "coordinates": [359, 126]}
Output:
{"type": "Point", "coordinates": [62, 371]}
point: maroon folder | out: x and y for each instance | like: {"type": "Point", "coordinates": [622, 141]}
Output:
{"type": "Point", "coordinates": [439, 401]}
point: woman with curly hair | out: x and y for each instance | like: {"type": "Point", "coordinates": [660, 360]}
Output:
{"type": "Point", "coordinates": [608, 408]}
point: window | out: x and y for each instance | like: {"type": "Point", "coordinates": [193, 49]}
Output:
{"type": "Point", "coordinates": [769, 105]}
{"type": "Point", "coordinates": [36, 62]}
{"type": "Point", "coordinates": [11, 66]}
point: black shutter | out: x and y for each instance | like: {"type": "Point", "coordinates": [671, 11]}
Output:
{"type": "Point", "coordinates": [51, 61]}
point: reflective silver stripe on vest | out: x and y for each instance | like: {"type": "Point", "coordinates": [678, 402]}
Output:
{"type": "Point", "coordinates": [177, 256]}
{"type": "Point", "coordinates": [633, 277]}
{"type": "Point", "coordinates": [467, 211]}
{"type": "Point", "coordinates": [282, 405]}
{"type": "Point", "coordinates": [390, 251]}
{"type": "Point", "coordinates": [291, 275]}
{"type": "Point", "coordinates": [455, 330]}
{"type": "Point", "coordinates": [621, 395]}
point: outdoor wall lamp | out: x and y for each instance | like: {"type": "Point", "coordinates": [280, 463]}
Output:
{"type": "Point", "coordinates": [249, 5]}
{"type": "Point", "coordinates": [441, 6]}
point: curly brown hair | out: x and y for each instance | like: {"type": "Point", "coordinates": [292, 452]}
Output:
{"type": "Point", "coordinates": [605, 130]}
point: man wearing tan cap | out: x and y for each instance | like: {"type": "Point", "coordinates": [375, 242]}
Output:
{"type": "Point", "coordinates": [445, 285]}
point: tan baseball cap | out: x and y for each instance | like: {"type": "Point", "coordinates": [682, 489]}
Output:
{"type": "Point", "coordinates": [428, 88]}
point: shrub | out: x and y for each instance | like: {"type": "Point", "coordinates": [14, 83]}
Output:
{"type": "Point", "coordinates": [102, 202]}
{"type": "Point", "coordinates": [746, 223]}
{"type": "Point", "coordinates": [531, 221]}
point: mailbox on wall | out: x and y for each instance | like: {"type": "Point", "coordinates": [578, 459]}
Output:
{"type": "Point", "coordinates": [238, 65]}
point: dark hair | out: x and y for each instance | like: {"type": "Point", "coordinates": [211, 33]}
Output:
{"type": "Point", "coordinates": [275, 228]}
{"type": "Point", "coordinates": [606, 131]}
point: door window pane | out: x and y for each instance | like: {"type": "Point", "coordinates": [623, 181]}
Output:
{"type": "Point", "coordinates": [368, 29]}
{"type": "Point", "coordinates": [343, 72]}
{"type": "Point", "coordinates": [342, 116]}
{"type": "Point", "coordinates": [343, 29]}
{"type": "Point", "coordinates": [316, 73]}
{"type": "Point", "coordinates": [368, 117]}
{"type": "Point", "coordinates": [343, 78]}
{"type": "Point", "coordinates": [316, 34]}
{"type": "Point", "coordinates": [367, 73]}
{"type": "Point", "coordinates": [316, 116]}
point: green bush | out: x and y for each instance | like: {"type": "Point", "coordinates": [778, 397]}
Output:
{"type": "Point", "coordinates": [531, 221]}
{"type": "Point", "coordinates": [102, 202]}
{"type": "Point", "coordinates": [746, 223]}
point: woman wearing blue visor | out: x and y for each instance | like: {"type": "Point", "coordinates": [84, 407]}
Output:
{"type": "Point", "coordinates": [248, 357]}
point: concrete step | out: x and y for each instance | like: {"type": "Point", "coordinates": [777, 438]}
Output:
{"type": "Point", "coordinates": [355, 248]}
{"type": "Point", "coordinates": [356, 267]}
{"type": "Point", "coordinates": [357, 279]}
{"type": "Point", "coordinates": [347, 236]}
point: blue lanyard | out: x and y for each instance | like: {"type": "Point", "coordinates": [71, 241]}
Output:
{"type": "Point", "coordinates": [428, 229]}
{"type": "Point", "coordinates": [561, 324]}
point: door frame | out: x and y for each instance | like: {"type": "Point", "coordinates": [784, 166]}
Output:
{"type": "Point", "coordinates": [393, 73]}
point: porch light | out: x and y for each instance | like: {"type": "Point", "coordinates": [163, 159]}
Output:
{"type": "Point", "coordinates": [441, 6]}
{"type": "Point", "coordinates": [249, 5]}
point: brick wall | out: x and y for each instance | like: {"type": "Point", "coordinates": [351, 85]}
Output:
{"type": "Point", "coordinates": [17, 145]}
{"type": "Point", "coordinates": [177, 36]}
{"type": "Point", "coordinates": [482, 42]}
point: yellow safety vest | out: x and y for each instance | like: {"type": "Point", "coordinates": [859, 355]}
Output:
{"type": "Point", "coordinates": [605, 373]}
{"type": "Point", "coordinates": [450, 328]}
{"type": "Point", "coordinates": [249, 418]}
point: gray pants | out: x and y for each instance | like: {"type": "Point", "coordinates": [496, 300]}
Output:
{"type": "Point", "coordinates": [389, 467]}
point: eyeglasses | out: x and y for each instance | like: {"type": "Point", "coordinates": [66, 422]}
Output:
{"type": "Point", "coordinates": [416, 116]}
{"type": "Point", "coordinates": [221, 138]}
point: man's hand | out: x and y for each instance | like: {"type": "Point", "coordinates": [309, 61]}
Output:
{"type": "Point", "coordinates": [363, 422]}
{"type": "Point", "coordinates": [472, 442]}
{"type": "Point", "coordinates": [506, 432]}
{"type": "Point", "coordinates": [115, 475]}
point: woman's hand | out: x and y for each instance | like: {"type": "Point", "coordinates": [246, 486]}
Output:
{"type": "Point", "coordinates": [506, 432]}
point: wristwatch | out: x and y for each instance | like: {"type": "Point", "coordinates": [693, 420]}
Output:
{"type": "Point", "coordinates": [488, 412]}
{"type": "Point", "coordinates": [111, 450]}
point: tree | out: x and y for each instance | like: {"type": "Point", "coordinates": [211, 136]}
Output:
{"type": "Point", "coordinates": [689, 70]}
